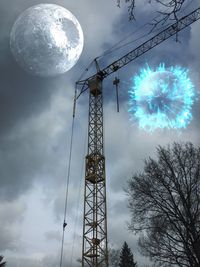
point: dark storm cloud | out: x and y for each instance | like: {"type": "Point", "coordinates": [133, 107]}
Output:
{"type": "Point", "coordinates": [24, 97]}
{"type": "Point", "coordinates": [21, 95]}
{"type": "Point", "coordinates": [36, 150]}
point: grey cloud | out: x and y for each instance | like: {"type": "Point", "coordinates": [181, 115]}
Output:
{"type": "Point", "coordinates": [50, 260]}
{"type": "Point", "coordinates": [30, 152]}
{"type": "Point", "coordinates": [53, 235]}
{"type": "Point", "coordinates": [194, 44]}
{"type": "Point", "coordinates": [127, 146]}
{"type": "Point", "coordinates": [23, 98]}
{"type": "Point", "coordinates": [11, 214]}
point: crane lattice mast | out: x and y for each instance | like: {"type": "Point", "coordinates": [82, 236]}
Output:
{"type": "Point", "coordinates": [95, 244]}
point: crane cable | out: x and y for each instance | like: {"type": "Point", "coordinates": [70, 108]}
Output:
{"type": "Point", "coordinates": [68, 179]}
{"type": "Point", "coordinates": [129, 35]}
{"type": "Point", "coordinates": [117, 46]}
{"type": "Point", "coordinates": [78, 202]}
{"type": "Point", "coordinates": [69, 166]}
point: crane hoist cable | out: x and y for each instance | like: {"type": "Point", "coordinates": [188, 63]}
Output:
{"type": "Point", "coordinates": [68, 180]}
{"type": "Point", "coordinates": [79, 198]}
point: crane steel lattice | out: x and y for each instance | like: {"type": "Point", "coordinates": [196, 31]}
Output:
{"type": "Point", "coordinates": [95, 250]}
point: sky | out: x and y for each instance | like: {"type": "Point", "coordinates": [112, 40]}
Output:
{"type": "Point", "coordinates": [36, 117]}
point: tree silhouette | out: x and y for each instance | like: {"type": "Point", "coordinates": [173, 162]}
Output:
{"type": "Point", "coordinates": [164, 201]}
{"type": "Point", "coordinates": [2, 263]}
{"type": "Point", "coordinates": [172, 7]}
{"type": "Point", "coordinates": [126, 257]}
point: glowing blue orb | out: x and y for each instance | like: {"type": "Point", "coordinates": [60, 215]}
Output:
{"type": "Point", "coordinates": [162, 98]}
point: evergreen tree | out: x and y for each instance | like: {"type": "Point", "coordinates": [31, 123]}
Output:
{"type": "Point", "coordinates": [126, 257]}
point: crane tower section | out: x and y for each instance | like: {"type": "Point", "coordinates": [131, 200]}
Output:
{"type": "Point", "coordinates": [95, 251]}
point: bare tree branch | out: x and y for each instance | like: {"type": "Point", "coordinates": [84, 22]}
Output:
{"type": "Point", "coordinates": [172, 7]}
{"type": "Point", "coordinates": [164, 202]}
{"type": "Point", "coordinates": [131, 7]}
{"type": "Point", "coordinates": [171, 13]}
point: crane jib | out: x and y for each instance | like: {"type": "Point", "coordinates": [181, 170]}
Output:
{"type": "Point", "coordinates": [154, 41]}
{"type": "Point", "coordinates": [181, 24]}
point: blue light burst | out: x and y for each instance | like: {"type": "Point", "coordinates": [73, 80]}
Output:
{"type": "Point", "coordinates": [162, 98]}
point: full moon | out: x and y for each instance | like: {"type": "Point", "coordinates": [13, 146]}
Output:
{"type": "Point", "coordinates": [46, 40]}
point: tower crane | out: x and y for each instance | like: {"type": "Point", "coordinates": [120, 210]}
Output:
{"type": "Point", "coordinates": [95, 243]}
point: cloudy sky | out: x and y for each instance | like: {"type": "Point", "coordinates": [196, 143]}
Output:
{"type": "Point", "coordinates": [36, 116]}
